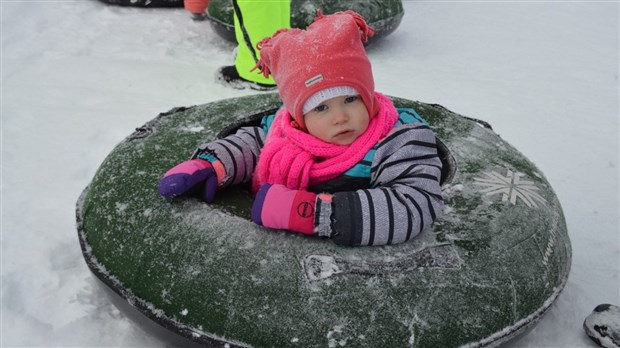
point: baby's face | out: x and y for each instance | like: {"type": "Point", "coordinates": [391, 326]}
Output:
{"type": "Point", "coordinates": [338, 120]}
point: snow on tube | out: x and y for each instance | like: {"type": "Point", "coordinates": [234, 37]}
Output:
{"type": "Point", "coordinates": [486, 271]}
{"type": "Point", "coordinates": [383, 15]}
{"type": "Point", "coordinates": [145, 3]}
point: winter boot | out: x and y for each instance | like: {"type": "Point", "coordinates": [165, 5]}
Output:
{"type": "Point", "coordinates": [228, 76]}
{"type": "Point", "coordinates": [603, 325]}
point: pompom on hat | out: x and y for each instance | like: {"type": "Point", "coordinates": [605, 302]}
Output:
{"type": "Point", "coordinates": [328, 56]}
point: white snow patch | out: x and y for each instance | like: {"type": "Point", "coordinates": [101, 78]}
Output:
{"type": "Point", "coordinates": [193, 129]}
{"type": "Point", "coordinates": [121, 207]}
{"type": "Point", "coordinates": [333, 338]}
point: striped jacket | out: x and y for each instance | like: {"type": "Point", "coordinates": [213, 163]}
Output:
{"type": "Point", "coordinates": [388, 197]}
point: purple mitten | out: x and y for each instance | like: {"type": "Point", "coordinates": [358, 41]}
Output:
{"type": "Point", "coordinates": [183, 177]}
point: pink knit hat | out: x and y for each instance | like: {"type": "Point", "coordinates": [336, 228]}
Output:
{"type": "Point", "coordinates": [329, 53]}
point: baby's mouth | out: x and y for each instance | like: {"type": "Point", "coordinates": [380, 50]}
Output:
{"type": "Point", "coordinates": [344, 133]}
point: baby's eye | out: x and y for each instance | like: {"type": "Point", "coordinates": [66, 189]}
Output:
{"type": "Point", "coordinates": [351, 99]}
{"type": "Point", "coordinates": [320, 108]}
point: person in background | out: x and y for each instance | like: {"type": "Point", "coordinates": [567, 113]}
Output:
{"type": "Point", "coordinates": [197, 8]}
{"type": "Point", "coordinates": [338, 160]}
{"type": "Point", "coordinates": [253, 20]}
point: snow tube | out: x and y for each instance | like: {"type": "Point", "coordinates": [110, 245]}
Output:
{"type": "Point", "coordinates": [487, 270]}
{"type": "Point", "coordinates": [383, 15]}
{"type": "Point", "coordinates": [145, 3]}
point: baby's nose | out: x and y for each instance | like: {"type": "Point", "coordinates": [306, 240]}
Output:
{"type": "Point", "coordinates": [340, 116]}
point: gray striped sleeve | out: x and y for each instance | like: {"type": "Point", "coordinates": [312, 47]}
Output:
{"type": "Point", "coordinates": [405, 194]}
{"type": "Point", "coordinates": [238, 153]}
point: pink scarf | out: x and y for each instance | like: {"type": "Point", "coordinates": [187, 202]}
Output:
{"type": "Point", "coordinates": [296, 159]}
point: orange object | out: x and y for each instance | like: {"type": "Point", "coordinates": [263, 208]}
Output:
{"type": "Point", "coordinates": [196, 6]}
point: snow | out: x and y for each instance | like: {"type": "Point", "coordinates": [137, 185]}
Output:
{"type": "Point", "coordinates": [79, 76]}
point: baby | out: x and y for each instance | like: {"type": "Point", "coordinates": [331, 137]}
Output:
{"type": "Point", "coordinates": [338, 160]}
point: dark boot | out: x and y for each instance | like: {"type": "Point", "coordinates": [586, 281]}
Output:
{"type": "Point", "coordinates": [603, 325]}
{"type": "Point", "coordinates": [228, 76]}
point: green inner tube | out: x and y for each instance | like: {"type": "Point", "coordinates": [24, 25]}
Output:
{"type": "Point", "coordinates": [383, 15]}
{"type": "Point", "coordinates": [488, 269]}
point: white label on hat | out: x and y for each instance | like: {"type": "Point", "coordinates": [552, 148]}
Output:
{"type": "Point", "coordinates": [313, 80]}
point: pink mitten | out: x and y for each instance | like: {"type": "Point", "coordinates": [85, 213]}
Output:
{"type": "Point", "coordinates": [278, 207]}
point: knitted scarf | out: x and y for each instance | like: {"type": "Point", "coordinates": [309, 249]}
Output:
{"type": "Point", "coordinates": [296, 159]}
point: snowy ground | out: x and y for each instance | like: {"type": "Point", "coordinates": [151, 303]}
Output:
{"type": "Point", "coordinates": [78, 76]}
